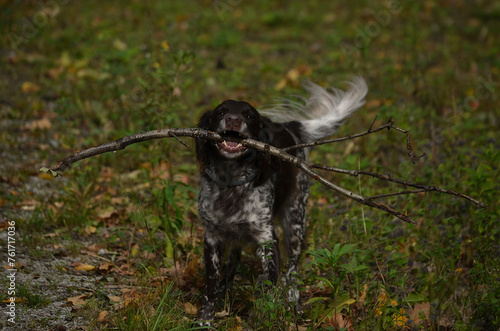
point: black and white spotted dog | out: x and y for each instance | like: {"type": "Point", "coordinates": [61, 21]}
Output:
{"type": "Point", "coordinates": [243, 191]}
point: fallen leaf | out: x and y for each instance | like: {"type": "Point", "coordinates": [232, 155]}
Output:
{"type": "Point", "coordinates": [50, 235]}
{"type": "Point", "coordinates": [115, 298]}
{"type": "Point", "coordinates": [374, 103]}
{"type": "Point", "coordinates": [90, 229]}
{"type": "Point", "coordinates": [104, 267]}
{"type": "Point", "coordinates": [281, 84]}
{"type": "Point", "coordinates": [339, 321]}
{"type": "Point", "coordinates": [420, 312]}
{"type": "Point", "coordinates": [4, 225]}
{"type": "Point", "coordinates": [106, 213]}
{"type": "Point", "coordinates": [16, 300]}
{"type": "Point", "coordinates": [293, 75]}
{"type": "Point", "coordinates": [165, 46]}
{"type": "Point", "coordinates": [54, 72]}
{"type": "Point", "coordinates": [119, 200]}
{"type": "Point", "coordinates": [176, 91]}
{"type": "Point", "coordinates": [222, 314]}
{"type": "Point", "coordinates": [78, 300]}
{"type": "Point", "coordinates": [103, 316]}
{"type": "Point", "coordinates": [94, 248]}
{"type": "Point", "coordinates": [119, 45]}
{"type": "Point", "coordinates": [92, 73]}
{"type": "Point", "coordinates": [147, 255]}
{"type": "Point", "coordinates": [45, 175]}
{"type": "Point", "coordinates": [65, 59]}
{"type": "Point", "coordinates": [362, 297]}
{"type": "Point", "coordinates": [84, 267]}
{"type": "Point", "coordinates": [41, 124]}
{"type": "Point", "coordinates": [135, 250]}
{"type": "Point", "coordinates": [182, 178]}
{"type": "Point", "coordinates": [190, 309]}
{"type": "Point", "coordinates": [29, 87]}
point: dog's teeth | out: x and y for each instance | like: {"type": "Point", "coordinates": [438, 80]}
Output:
{"type": "Point", "coordinates": [239, 145]}
{"type": "Point", "coordinates": [224, 143]}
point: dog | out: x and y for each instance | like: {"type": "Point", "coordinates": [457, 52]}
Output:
{"type": "Point", "coordinates": [243, 191]}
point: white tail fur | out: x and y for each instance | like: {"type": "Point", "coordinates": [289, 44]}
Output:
{"type": "Point", "coordinates": [324, 111]}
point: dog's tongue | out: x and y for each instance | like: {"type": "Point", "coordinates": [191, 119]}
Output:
{"type": "Point", "coordinates": [231, 144]}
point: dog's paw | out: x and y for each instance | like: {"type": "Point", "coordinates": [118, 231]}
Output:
{"type": "Point", "coordinates": [203, 325]}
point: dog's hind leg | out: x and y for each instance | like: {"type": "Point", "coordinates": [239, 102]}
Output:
{"type": "Point", "coordinates": [293, 220]}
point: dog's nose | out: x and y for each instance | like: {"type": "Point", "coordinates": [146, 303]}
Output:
{"type": "Point", "coordinates": [233, 122]}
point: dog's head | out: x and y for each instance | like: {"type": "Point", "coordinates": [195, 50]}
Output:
{"type": "Point", "coordinates": [235, 120]}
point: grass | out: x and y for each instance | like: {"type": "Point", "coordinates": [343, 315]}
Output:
{"type": "Point", "coordinates": [86, 73]}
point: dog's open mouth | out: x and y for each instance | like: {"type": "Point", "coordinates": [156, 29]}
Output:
{"type": "Point", "coordinates": [229, 146]}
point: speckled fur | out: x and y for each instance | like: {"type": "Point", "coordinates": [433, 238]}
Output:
{"type": "Point", "coordinates": [243, 191]}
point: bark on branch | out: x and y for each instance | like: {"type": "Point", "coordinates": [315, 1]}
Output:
{"type": "Point", "coordinates": [282, 154]}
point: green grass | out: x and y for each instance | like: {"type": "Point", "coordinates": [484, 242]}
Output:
{"type": "Point", "coordinates": [98, 71]}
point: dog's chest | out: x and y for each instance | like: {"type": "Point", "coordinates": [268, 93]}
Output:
{"type": "Point", "coordinates": [235, 212]}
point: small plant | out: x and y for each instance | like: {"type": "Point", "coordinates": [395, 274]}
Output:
{"type": "Point", "coordinates": [30, 299]}
{"type": "Point", "coordinates": [78, 208]}
{"type": "Point", "coordinates": [170, 216]}
{"type": "Point", "coordinates": [153, 311]}
{"type": "Point", "coordinates": [271, 310]}
{"type": "Point", "coordinates": [330, 263]}
{"type": "Point", "coordinates": [335, 277]}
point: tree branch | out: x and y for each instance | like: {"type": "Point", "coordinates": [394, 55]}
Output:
{"type": "Point", "coordinates": [305, 166]}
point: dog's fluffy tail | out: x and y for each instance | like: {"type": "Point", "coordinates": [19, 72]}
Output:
{"type": "Point", "coordinates": [324, 110]}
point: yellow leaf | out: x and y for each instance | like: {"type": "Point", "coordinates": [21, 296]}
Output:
{"type": "Point", "coordinates": [119, 45]}
{"type": "Point", "coordinates": [29, 87]}
{"type": "Point", "coordinates": [293, 75]}
{"type": "Point", "coordinates": [90, 229]}
{"type": "Point", "coordinates": [45, 175]}
{"type": "Point", "coordinates": [134, 251]}
{"type": "Point", "coordinates": [84, 267]}
{"type": "Point", "coordinates": [280, 85]}
{"type": "Point", "coordinates": [16, 300]}
{"type": "Point", "coordinates": [65, 59]}
{"type": "Point", "coordinates": [165, 46]}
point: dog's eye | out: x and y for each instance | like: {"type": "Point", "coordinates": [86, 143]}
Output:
{"type": "Point", "coordinates": [250, 117]}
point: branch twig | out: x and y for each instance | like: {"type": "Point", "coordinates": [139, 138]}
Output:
{"type": "Point", "coordinates": [389, 178]}
{"type": "Point", "coordinates": [388, 125]}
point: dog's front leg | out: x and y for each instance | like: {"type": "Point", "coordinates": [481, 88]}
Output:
{"type": "Point", "coordinates": [268, 251]}
{"type": "Point", "coordinates": [213, 256]}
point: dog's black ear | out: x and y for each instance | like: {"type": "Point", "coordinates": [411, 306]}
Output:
{"type": "Point", "coordinates": [202, 145]}
{"type": "Point", "coordinates": [267, 163]}
{"type": "Point", "coordinates": [204, 122]}
{"type": "Point", "coordinates": [267, 132]}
